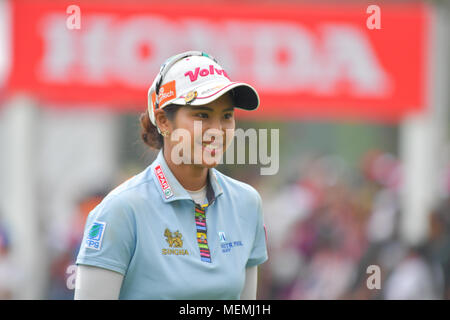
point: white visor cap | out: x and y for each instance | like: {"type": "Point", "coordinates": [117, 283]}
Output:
{"type": "Point", "coordinates": [198, 80]}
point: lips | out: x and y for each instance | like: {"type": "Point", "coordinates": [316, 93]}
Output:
{"type": "Point", "coordinates": [210, 145]}
{"type": "Point", "coordinates": [211, 148]}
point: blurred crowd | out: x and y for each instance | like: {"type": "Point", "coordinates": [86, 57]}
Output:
{"type": "Point", "coordinates": [326, 227]}
{"type": "Point", "coordinates": [6, 266]}
{"type": "Point", "coordinates": [330, 226]}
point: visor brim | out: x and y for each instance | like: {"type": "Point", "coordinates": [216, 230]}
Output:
{"type": "Point", "coordinates": [244, 96]}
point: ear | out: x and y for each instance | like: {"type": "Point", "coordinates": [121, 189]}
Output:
{"type": "Point", "coordinates": [162, 122]}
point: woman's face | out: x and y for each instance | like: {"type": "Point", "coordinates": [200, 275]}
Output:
{"type": "Point", "coordinates": [201, 134]}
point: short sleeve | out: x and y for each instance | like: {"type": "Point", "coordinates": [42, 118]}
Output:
{"type": "Point", "coordinates": [258, 255]}
{"type": "Point", "coordinates": [109, 236]}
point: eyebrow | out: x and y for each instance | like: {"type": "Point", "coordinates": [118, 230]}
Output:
{"type": "Point", "coordinates": [209, 109]}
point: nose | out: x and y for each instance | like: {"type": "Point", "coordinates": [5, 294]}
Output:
{"type": "Point", "coordinates": [212, 129]}
{"type": "Point", "coordinates": [215, 123]}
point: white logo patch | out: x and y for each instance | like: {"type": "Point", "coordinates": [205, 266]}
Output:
{"type": "Point", "coordinates": [95, 235]}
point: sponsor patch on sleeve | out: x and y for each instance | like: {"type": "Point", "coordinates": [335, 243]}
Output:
{"type": "Point", "coordinates": [95, 235]}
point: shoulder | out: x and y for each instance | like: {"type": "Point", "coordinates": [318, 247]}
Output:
{"type": "Point", "coordinates": [140, 187]}
{"type": "Point", "coordinates": [129, 194]}
{"type": "Point", "coordinates": [134, 185]}
{"type": "Point", "coordinates": [238, 188]}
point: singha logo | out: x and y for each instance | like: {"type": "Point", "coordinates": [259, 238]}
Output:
{"type": "Point", "coordinates": [174, 239]}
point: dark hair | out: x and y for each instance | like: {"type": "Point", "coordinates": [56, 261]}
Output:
{"type": "Point", "coordinates": [149, 132]}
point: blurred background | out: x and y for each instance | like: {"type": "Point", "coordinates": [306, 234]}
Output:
{"type": "Point", "coordinates": [359, 94]}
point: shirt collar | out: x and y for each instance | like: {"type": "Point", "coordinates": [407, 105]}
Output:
{"type": "Point", "coordinates": [169, 187]}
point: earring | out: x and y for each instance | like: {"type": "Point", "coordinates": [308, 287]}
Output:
{"type": "Point", "coordinates": [165, 133]}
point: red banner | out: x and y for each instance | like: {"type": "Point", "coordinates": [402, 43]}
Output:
{"type": "Point", "coordinates": [305, 60]}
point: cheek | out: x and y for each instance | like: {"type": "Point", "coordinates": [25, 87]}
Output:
{"type": "Point", "coordinates": [228, 137]}
{"type": "Point", "coordinates": [229, 129]}
{"type": "Point", "coordinates": [185, 130]}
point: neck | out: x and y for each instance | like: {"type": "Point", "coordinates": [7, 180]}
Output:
{"type": "Point", "coordinates": [190, 176]}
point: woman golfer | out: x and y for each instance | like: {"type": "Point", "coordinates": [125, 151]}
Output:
{"type": "Point", "coordinates": [179, 229]}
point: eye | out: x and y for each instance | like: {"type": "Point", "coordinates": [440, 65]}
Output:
{"type": "Point", "coordinates": [228, 116]}
{"type": "Point", "coordinates": [202, 115]}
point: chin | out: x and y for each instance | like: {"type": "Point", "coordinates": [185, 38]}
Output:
{"type": "Point", "coordinates": [209, 161]}
{"type": "Point", "coordinates": [210, 165]}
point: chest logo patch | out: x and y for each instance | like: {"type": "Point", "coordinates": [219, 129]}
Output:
{"type": "Point", "coordinates": [175, 241]}
{"type": "Point", "coordinates": [226, 245]}
{"type": "Point", "coordinates": [222, 237]}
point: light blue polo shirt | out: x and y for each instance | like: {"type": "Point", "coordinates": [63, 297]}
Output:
{"type": "Point", "coordinates": [145, 229]}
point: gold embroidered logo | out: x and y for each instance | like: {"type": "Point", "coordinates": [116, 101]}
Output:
{"type": "Point", "coordinates": [175, 241]}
